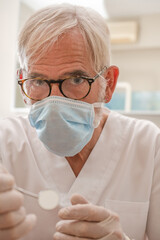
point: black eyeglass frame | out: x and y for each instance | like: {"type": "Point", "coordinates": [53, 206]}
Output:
{"type": "Point", "coordinates": [60, 81]}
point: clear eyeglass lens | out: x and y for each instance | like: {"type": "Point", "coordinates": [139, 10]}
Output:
{"type": "Point", "coordinates": [36, 89]}
{"type": "Point", "coordinates": [75, 88]}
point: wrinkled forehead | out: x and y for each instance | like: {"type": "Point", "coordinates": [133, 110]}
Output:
{"type": "Point", "coordinates": [71, 43]}
{"type": "Point", "coordinates": [68, 53]}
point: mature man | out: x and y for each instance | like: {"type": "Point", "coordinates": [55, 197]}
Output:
{"type": "Point", "coordinates": [104, 166]}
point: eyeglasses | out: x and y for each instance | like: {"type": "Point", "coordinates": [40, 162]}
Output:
{"type": "Point", "coordinates": [78, 87]}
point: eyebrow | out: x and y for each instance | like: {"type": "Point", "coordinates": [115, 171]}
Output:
{"type": "Point", "coordinates": [63, 76]}
{"type": "Point", "coordinates": [76, 73]}
{"type": "Point", "coordinates": [34, 74]}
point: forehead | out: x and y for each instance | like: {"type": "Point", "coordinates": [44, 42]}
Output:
{"type": "Point", "coordinates": [67, 54]}
{"type": "Point", "coordinates": [70, 41]}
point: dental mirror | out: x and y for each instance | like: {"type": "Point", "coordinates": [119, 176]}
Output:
{"type": "Point", "coordinates": [47, 199]}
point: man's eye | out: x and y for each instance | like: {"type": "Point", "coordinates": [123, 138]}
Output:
{"type": "Point", "coordinates": [76, 80]}
{"type": "Point", "coordinates": [38, 82]}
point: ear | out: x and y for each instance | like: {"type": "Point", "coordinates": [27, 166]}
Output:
{"type": "Point", "coordinates": [111, 76]}
{"type": "Point", "coordinates": [20, 77]}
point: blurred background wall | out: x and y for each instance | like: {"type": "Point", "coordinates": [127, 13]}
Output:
{"type": "Point", "coordinates": [9, 16]}
{"type": "Point", "coordinates": [136, 53]}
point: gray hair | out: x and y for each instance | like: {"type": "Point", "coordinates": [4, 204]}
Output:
{"type": "Point", "coordinates": [45, 26]}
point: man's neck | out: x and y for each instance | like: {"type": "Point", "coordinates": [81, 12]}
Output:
{"type": "Point", "coordinates": [77, 162]}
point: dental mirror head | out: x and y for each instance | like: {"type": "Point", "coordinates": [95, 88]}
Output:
{"type": "Point", "coordinates": [47, 199]}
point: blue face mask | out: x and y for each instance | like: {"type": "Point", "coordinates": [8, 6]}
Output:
{"type": "Point", "coordinates": [64, 125]}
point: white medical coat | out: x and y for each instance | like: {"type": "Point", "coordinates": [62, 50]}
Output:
{"type": "Point", "coordinates": [122, 173]}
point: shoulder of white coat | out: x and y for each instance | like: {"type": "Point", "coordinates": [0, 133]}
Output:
{"type": "Point", "coordinates": [135, 122]}
{"type": "Point", "coordinates": [14, 126]}
{"type": "Point", "coordinates": [137, 127]}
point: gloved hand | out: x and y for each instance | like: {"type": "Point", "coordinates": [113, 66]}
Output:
{"type": "Point", "coordinates": [86, 221]}
{"type": "Point", "coordinates": [14, 223]}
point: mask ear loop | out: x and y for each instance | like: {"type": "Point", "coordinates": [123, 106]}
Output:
{"type": "Point", "coordinates": [97, 119]}
{"type": "Point", "coordinates": [99, 105]}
